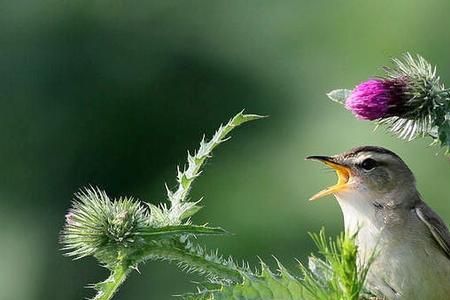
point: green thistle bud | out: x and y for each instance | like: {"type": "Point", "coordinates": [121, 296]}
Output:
{"type": "Point", "coordinates": [97, 226]}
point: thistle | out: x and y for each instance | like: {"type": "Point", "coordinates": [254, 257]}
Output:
{"type": "Point", "coordinates": [409, 99]}
{"type": "Point", "coordinates": [123, 233]}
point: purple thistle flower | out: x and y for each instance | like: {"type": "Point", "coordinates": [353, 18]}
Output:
{"type": "Point", "coordinates": [409, 99]}
{"type": "Point", "coordinates": [378, 98]}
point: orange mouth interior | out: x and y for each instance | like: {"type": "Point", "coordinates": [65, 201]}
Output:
{"type": "Point", "coordinates": [343, 174]}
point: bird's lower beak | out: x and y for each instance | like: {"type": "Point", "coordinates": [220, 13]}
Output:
{"type": "Point", "coordinates": [343, 173]}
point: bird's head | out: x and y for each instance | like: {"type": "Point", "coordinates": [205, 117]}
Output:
{"type": "Point", "coordinates": [368, 172]}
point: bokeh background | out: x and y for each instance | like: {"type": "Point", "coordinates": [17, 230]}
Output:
{"type": "Point", "coordinates": [113, 93]}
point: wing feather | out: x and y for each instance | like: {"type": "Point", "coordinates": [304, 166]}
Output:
{"type": "Point", "coordinates": [437, 227]}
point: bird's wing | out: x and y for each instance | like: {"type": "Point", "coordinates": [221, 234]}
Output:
{"type": "Point", "coordinates": [436, 226]}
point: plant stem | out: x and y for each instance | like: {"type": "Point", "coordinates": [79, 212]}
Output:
{"type": "Point", "coordinates": [187, 259]}
{"type": "Point", "coordinates": [200, 262]}
{"type": "Point", "coordinates": [109, 287]}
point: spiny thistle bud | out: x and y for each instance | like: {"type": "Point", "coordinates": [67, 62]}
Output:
{"type": "Point", "coordinates": [409, 99]}
{"type": "Point", "coordinates": [95, 225]}
{"type": "Point", "coordinates": [115, 230]}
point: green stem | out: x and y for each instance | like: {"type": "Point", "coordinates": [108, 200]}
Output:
{"type": "Point", "coordinates": [192, 260]}
{"type": "Point", "coordinates": [200, 263]}
{"type": "Point", "coordinates": [196, 261]}
{"type": "Point", "coordinates": [109, 287]}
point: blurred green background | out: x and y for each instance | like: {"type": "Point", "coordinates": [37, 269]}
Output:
{"type": "Point", "coordinates": [113, 93]}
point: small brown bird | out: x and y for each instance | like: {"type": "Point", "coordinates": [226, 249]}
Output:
{"type": "Point", "coordinates": [378, 197]}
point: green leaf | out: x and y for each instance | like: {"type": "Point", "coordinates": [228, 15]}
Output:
{"type": "Point", "coordinates": [168, 231]}
{"type": "Point", "coordinates": [339, 95]}
{"type": "Point", "coordinates": [178, 198]}
{"type": "Point", "coordinates": [336, 275]}
{"type": "Point", "coordinates": [190, 212]}
{"type": "Point", "coordinates": [264, 286]}
{"type": "Point", "coordinates": [191, 257]}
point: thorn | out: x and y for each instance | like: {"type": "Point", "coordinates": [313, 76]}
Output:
{"type": "Point", "coordinates": [136, 269]}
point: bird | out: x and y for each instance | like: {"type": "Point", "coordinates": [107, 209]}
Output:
{"type": "Point", "coordinates": [407, 242]}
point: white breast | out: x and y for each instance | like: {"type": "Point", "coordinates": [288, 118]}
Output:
{"type": "Point", "coordinates": [408, 264]}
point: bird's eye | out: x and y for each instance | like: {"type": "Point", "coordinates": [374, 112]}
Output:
{"type": "Point", "coordinates": [368, 164]}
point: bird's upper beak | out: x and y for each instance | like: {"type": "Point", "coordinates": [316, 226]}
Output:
{"type": "Point", "coordinates": [342, 171]}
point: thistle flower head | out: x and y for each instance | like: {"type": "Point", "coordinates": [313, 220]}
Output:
{"type": "Point", "coordinates": [409, 99]}
{"type": "Point", "coordinates": [377, 98]}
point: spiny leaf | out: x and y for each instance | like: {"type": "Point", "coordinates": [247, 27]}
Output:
{"type": "Point", "coordinates": [190, 257]}
{"type": "Point", "coordinates": [187, 175]}
{"type": "Point", "coordinates": [337, 275]}
{"type": "Point", "coordinates": [263, 286]}
{"type": "Point", "coordinates": [334, 276]}
{"type": "Point", "coordinates": [169, 231]}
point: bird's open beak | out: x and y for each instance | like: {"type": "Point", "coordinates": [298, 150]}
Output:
{"type": "Point", "coordinates": [343, 173]}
